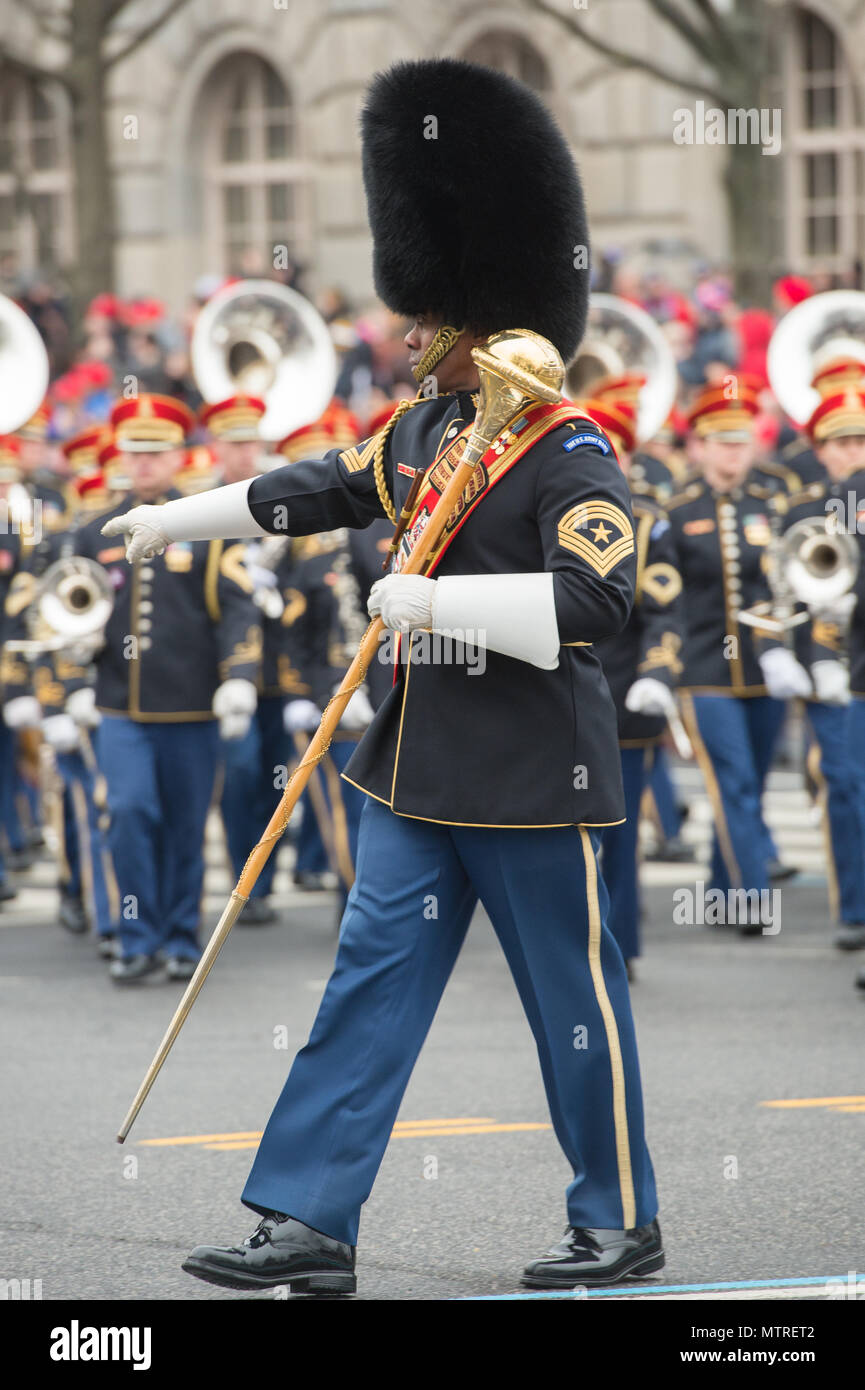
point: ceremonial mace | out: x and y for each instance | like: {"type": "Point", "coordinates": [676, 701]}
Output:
{"type": "Point", "coordinates": [517, 369]}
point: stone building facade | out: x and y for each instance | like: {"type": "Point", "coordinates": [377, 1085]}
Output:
{"type": "Point", "coordinates": [234, 129]}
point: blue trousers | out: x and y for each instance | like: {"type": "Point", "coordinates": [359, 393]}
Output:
{"type": "Point", "coordinates": [840, 732]}
{"type": "Point", "coordinates": [407, 915]}
{"type": "Point", "coordinates": [160, 779]}
{"type": "Point", "coordinates": [7, 771]}
{"type": "Point", "coordinates": [619, 853]}
{"type": "Point", "coordinates": [733, 740]}
{"type": "Point", "coordinates": [663, 792]}
{"type": "Point", "coordinates": [86, 845]}
{"type": "Point", "coordinates": [251, 790]}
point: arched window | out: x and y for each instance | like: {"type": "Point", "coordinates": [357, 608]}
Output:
{"type": "Point", "coordinates": [511, 53]}
{"type": "Point", "coordinates": [824, 147]}
{"type": "Point", "coordinates": [254, 196]}
{"type": "Point", "coordinates": [35, 213]}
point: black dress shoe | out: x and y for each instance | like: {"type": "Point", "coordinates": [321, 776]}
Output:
{"type": "Point", "coordinates": [849, 936]}
{"type": "Point", "coordinates": [106, 945]}
{"type": "Point", "coordinates": [585, 1256]}
{"type": "Point", "coordinates": [860, 980]}
{"type": "Point", "coordinates": [73, 915]}
{"type": "Point", "coordinates": [180, 968]}
{"type": "Point", "coordinates": [133, 970]}
{"type": "Point", "coordinates": [672, 851]}
{"type": "Point", "coordinates": [779, 873]}
{"type": "Point", "coordinates": [279, 1251]}
{"type": "Point", "coordinates": [7, 892]}
{"type": "Point", "coordinates": [20, 859]}
{"type": "Point", "coordinates": [257, 913]}
{"type": "Point", "coordinates": [309, 882]}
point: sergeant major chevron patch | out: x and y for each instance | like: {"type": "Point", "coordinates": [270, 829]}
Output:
{"type": "Point", "coordinates": [599, 532]}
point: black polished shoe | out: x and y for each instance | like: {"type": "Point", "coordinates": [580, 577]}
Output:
{"type": "Point", "coordinates": [779, 873]}
{"type": "Point", "coordinates": [309, 882]}
{"type": "Point", "coordinates": [585, 1256]}
{"type": "Point", "coordinates": [20, 859]}
{"type": "Point", "coordinates": [849, 936]}
{"type": "Point", "coordinates": [257, 913]}
{"type": "Point", "coordinates": [133, 970]}
{"type": "Point", "coordinates": [73, 915]}
{"type": "Point", "coordinates": [7, 892]}
{"type": "Point", "coordinates": [279, 1251]}
{"type": "Point", "coordinates": [106, 945]}
{"type": "Point", "coordinates": [672, 851]}
{"type": "Point", "coordinates": [860, 980]}
{"type": "Point", "coordinates": [180, 968]}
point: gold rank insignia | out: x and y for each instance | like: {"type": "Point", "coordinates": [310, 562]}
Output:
{"type": "Point", "coordinates": [359, 456]}
{"type": "Point", "coordinates": [599, 532]}
{"type": "Point", "coordinates": [662, 582]}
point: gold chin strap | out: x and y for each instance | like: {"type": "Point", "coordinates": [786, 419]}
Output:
{"type": "Point", "coordinates": [440, 346]}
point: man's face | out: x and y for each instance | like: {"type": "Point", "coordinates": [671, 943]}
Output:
{"type": "Point", "coordinates": [151, 473]}
{"type": "Point", "coordinates": [725, 463]}
{"type": "Point", "coordinates": [456, 371]}
{"type": "Point", "coordinates": [237, 460]}
{"type": "Point", "coordinates": [842, 456]}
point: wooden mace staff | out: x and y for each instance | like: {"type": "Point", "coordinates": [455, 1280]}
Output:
{"type": "Point", "coordinates": [516, 369]}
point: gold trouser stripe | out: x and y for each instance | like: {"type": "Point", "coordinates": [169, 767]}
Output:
{"type": "Point", "coordinates": [85, 862]}
{"type": "Point", "coordinates": [340, 821]}
{"type": "Point", "coordinates": [211, 580]}
{"type": "Point", "coordinates": [707, 767]}
{"type": "Point", "coordinates": [620, 1113]}
{"type": "Point", "coordinates": [814, 765]}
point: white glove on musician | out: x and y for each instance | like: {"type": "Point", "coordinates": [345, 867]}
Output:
{"type": "Point", "coordinates": [831, 682]}
{"type": "Point", "coordinates": [220, 514]}
{"type": "Point", "coordinates": [234, 704]}
{"type": "Point", "coordinates": [301, 716]}
{"type": "Point", "coordinates": [61, 733]}
{"type": "Point", "coordinates": [785, 677]}
{"type": "Point", "coordinates": [24, 712]}
{"type": "Point", "coordinates": [358, 713]}
{"type": "Point", "coordinates": [650, 696]}
{"type": "Point", "coordinates": [81, 706]}
{"type": "Point", "coordinates": [514, 614]}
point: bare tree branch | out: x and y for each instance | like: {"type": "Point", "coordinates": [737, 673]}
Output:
{"type": "Point", "coordinates": [146, 33]}
{"type": "Point", "coordinates": [34, 72]}
{"type": "Point", "coordinates": [725, 34]}
{"type": "Point", "coordinates": [621, 59]}
{"type": "Point", "coordinates": [695, 38]}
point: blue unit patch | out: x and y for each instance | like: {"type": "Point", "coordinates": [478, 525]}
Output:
{"type": "Point", "coordinates": [596, 440]}
{"type": "Point", "coordinates": [660, 526]}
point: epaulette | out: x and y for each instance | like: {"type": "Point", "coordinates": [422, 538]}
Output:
{"type": "Point", "coordinates": [758, 490]}
{"type": "Point", "coordinates": [787, 476]}
{"type": "Point", "coordinates": [806, 494]}
{"type": "Point", "coordinates": [795, 447]}
{"type": "Point", "coordinates": [686, 495]}
{"type": "Point", "coordinates": [644, 505]}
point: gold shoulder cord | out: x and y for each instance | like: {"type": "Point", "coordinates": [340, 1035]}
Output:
{"type": "Point", "coordinates": [440, 346]}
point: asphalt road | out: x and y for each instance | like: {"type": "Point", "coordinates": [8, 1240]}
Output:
{"type": "Point", "coordinates": [725, 1025]}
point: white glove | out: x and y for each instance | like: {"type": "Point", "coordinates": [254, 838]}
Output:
{"type": "Point", "coordinates": [649, 696]}
{"type": "Point", "coordinates": [24, 712]}
{"type": "Point", "coordinates": [234, 705]}
{"type": "Point", "coordinates": [403, 601]}
{"type": "Point", "coordinates": [358, 713]}
{"type": "Point", "coordinates": [81, 706]}
{"type": "Point", "coordinates": [301, 716]}
{"type": "Point", "coordinates": [222, 513]}
{"type": "Point", "coordinates": [839, 611]}
{"type": "Point", "coordinates": [141, 526]}
{"type": "Point", "coordinates": [784, 676]}
{"type": "Point", "coordinates": [61, 733]}
{"type": "Point", "coordinates": [831, 682]}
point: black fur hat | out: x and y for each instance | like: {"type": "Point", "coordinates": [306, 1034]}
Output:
{"type": "Point", "coordinates": [482, 223]}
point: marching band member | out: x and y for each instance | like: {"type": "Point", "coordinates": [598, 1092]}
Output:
{"type": "Point", "coordinates": [181, 654]}
{"type": "Point", "coordinates": [642, 665]}
{"type": "Point", "coordinates": [722, 524]}
{"type": "Point", "coordinates": [489, 784]}
{"type": "Point", "coordinates": [837, 434]}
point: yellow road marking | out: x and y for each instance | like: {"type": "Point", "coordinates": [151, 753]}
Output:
{"type": "Point", "coordinates": [403, 1129]}
{"type": "Point", "coordinates": [833, 1102]}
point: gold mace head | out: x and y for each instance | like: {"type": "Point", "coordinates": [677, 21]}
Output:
{"type": "Point", "coordinates": [517, 369]}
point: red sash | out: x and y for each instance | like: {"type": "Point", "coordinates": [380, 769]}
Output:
{"type": "Point", "coordinates": [501, 456]}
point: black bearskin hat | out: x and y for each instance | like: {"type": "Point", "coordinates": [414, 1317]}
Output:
{"type": "Point", "coordinates": [482, 223]}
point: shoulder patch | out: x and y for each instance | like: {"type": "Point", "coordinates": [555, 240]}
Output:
{"type": "Point", "coordinates": [660, 526]}
{"type": "Point", "coordinates": [586, 438]}
{"type": "Point", "coordinates": [599, 532]}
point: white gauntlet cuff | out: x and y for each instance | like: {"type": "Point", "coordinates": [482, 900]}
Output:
{"type": "Point", "coordinates": [514, 614]}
